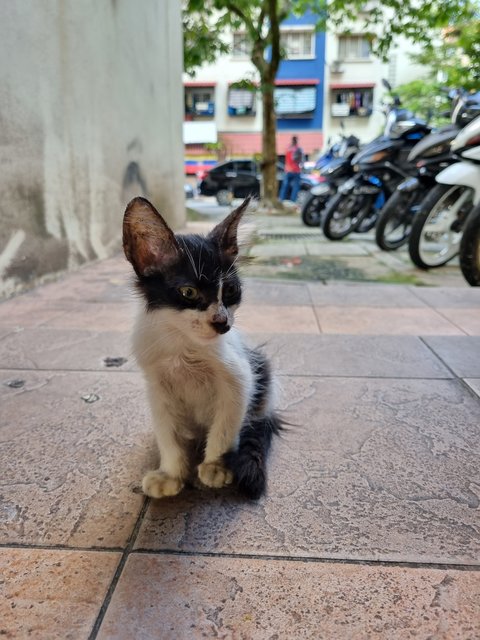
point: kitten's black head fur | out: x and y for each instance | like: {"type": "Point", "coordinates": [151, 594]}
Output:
{"type": "Point", "coordinates": [201, 265]}
{"type": "Point", "coordinates": [165, 264]}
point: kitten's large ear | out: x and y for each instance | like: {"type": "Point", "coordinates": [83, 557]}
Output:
{"type": "Point", "coordinates": [148, 241]}
{"type": "Point", "coordinates": [226, 232]}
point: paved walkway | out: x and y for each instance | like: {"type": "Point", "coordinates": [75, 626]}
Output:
{"type": "Point", "coordinates": [371, 527]}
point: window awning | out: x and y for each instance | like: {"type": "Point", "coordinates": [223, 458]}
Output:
{"type": "Point", "coordinates": [199, 84]}
{"type": "Point", "coordinates": [295, 101]}
{"type": "Point", "coordinates": [352, 85]}
{"type": "Point", "coordinates": [292, 82]}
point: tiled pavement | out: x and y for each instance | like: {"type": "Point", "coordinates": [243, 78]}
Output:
{"type": "Point", "coordinates": [371, 527]}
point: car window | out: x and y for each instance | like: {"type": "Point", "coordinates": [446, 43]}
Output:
{"type": "Point", "coordinates": [244, 165]}
{"type": "Point", "coordinates": [222, 168]}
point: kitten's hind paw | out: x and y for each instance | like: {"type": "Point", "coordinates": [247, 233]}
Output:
{"type": "Point", "coordinates": [214, 474]}
{"type": "Point", "coordinates": [158, 484]}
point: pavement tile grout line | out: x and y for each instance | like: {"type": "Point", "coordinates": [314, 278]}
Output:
{"type": "Point", "coordinates": [119, 570]}
{"type": "Point", "coordinates": [128, 550]}
{"type": "Point", "coordinates": [465, 333]}
{"type": "Point", "coordinates": [277, 374]}
{"type": "Point", "coordinates": [423, 339]}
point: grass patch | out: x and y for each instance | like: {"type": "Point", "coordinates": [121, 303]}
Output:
{"type": "Point", "coordinates": [303, 268]}
{"type": "Point", "coordinates": [401, 278]}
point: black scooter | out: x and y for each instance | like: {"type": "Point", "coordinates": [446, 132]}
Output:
{"type": "Point", "coordinates": [379, 167]}
{"type": "Point", "coordinates": [427, 158]}
{"type": "Point", "coordinates": [334, 173]}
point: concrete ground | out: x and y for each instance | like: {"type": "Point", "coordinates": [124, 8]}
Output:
{"type": "Point", "coordinates": [371, 525]}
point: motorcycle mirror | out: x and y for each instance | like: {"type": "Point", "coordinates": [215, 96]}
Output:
{"type": "Point", "coordinates": [342, 125]}
{"type": "Point", "coordinates": [386, 84]}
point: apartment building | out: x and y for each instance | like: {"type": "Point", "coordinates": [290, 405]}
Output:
{"type": "Point", "coordinates": [223, 120]}
{"type": "Point", "coordinates": [324, 80]}
{"type": "Point", "coordinates": [354, 91]}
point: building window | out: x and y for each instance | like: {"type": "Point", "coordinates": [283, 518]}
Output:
{"type": "Point", "coordinates": [352, 102]}
{"type": "Point", "coordinates": [298, 44]}
{"type": "Point", "coordinates": [295, 102]}
{"type": "Point", "coordinates": [241, 102]}
{"type": "Point", "coordinates": [241, 45]}
{"type": "Point", "coordinates": [199, 101]}
{"type": "Point", "coordinates": [353, 48]}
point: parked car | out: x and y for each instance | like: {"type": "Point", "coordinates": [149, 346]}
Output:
{"type": "Point", "coordinates": [240, 178]}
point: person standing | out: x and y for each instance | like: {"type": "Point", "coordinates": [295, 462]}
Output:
{"type": "Point", "coordinates": [293, 168]}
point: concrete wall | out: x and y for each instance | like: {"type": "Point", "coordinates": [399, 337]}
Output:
{"type": "Point", "coordinates": [91, 110]}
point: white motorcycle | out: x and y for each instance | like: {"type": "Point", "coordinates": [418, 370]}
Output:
{"type": "Point", "coordinates": [438, 226]}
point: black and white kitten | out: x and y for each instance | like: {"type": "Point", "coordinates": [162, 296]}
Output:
{"type": "Point", "coordinates": [210, 395]}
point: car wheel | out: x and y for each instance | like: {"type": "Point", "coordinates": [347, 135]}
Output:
{"type": "Point", "coordinates": [224, 197]}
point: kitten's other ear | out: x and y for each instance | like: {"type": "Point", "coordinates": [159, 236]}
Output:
{"type": "Point", "coordinates": [225, 233]}
{"type": "Point", "coordinates": [148, 241]}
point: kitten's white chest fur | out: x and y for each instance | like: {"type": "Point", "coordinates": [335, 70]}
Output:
{"type": "Point", "coordinates": [193, 380]}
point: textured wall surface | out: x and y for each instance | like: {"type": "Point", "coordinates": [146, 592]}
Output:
{"type": "Point", "coordinates": [91, 110]}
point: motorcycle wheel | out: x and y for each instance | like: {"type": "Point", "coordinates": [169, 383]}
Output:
{"type": "Point", "coordinates": [312, 210]}
{"type": "Point", "coordinates": [437, 227]}
{"type": "Point", "coordinates": [343, 213]}
{"type": "Point", "coordinates": [368, 222]}
{"type": "Point", "coordinates": [395, 221]}
{"type": "Point", "coordinates": [470, 249]}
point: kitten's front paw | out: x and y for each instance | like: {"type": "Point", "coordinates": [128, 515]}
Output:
{"type": "Point", "coordinates": [158, 484]}
{"type": "Point", "coordinates": [214, 474]}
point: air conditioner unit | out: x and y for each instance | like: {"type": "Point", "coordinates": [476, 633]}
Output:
{"type": "Point", "coordinates": [336, 66]}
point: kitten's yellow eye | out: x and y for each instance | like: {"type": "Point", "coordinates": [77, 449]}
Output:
{"type": "Point", "coordinates": [189, 293]}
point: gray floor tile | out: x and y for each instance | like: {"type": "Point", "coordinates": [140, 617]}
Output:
{"type": "Point", "coordinates": [72, 446]}
{"type": "Point", "coordinates": [60, 349]}
{"type": "Point", "coordinates": [371, 469]}
{"type": "Point", "coordinates": [280, 293]}
{"type": "Point", "coordinates": [460, 353]}
{"type": "Point", "coordinates": [474, 384]}
{"type": "Point", "coordinates": [453, 297]}
{"type": "Point", "coordinates": [352, 355]}
{"type": "Point", "coordinates": [371, 295]}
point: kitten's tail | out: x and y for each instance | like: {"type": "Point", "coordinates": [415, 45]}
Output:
{"type": "Point", "coordinates": [249, 462]}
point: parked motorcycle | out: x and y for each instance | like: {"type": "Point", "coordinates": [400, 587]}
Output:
{"type": "Point", "coordinates": [428, 157]}
{"type": "Point", "coordinates": [379, 167]}
{"type": "Point", "coordinates": [333, 173]}
{"type": "Point", "coordinates": [437, 227]}
{"type": "Point", "coordinates": [470, 248]}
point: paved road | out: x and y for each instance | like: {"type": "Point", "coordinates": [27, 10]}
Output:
{"type": "Point", "coordinates": [208, 207]}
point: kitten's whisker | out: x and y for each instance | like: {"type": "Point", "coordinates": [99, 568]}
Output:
{"type": "Point", "coordinates": [232, 266]}
{"type": "Point", "coordinates": [190, 257]}
{"type": "Point", "coordinates": [200, 267]}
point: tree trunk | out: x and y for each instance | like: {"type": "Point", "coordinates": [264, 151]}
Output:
{"type": "Point", "coordinates": [269, 148]}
